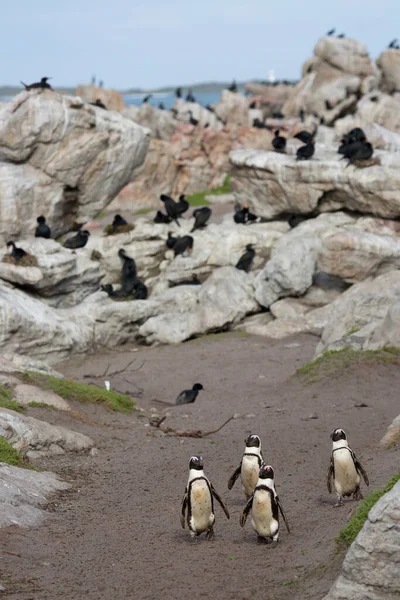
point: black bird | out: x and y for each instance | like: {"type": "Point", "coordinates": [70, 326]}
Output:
{"type": "Point", "coordinates": [259, 124]}
{"type": "Point", "coordinates": [161, 106]}
{"type": "Point", "coordinates": [201, 216]}
{"type": "Point", "coordinates": [193, 281]}
{"type": "Point", "coordinates": [331, 31]}
{"type": "Point", "coordinates": [233, 87]}
{"type": "Point", "coordinates": [305, 136]}
{"type": "Point", "coordinates": [183, 204]}
{"type": "Point", "coordinates": [328, 105]}
{"type": "Point", "coordinates": [15, 252]}
{"type": "Point", "coordinates": [206, 125]}
{"type": "Point", "coordinates": [77, 241]}
{"type": "Point", "coordinates": [118, 222]}
{"type": "Point", "coordinates": [393, 43]}
{"type": "Point", "coordinates": [171, 208]}
{"type": "Point", "coordinates": [341, 36]}
{"type": "Point", "coordinates": [178, 92]}
{"type": "Point", "coordinates": [182, 244]}
{"type": "Point", "coordinates": [147, 98]}
{"type": "Point", "coordinates": [108, 288]}
{"type": "Point", "coordinates": [192, 120]}
{"type": "Point", "coordinates": [171, 240]}
{"type": "Point", "coordinates": [253, 104]}
{"type": "Point", "coordinates": [42, 230]}
{"type": "Point", "coordinates": [243, 215]}
{"type": "Point", "coordinates": [245, 261]}
{"type": "Point", "coordinates": [374, 98]}
{"type": "Point", "coordinates": [355, 136]}
{"type": "Point", "coordinates": [42, 84]}
{"type": "Point", "coordinates": [302, 115]}
{"type": "Point", "coordinates": [139, 291]}
{"type": "Point", "coordinates": [190, 97]}
{"type": "Point", "coordinates": [364, 152]}
{"type": "Point", "coordinates": [279, 142]}
{"type": "Point", "coordinates": [128, 275]}
{"type": "Point", "coordinates": [210, 108]}
{"type": "Point", "coordinates": [99, 104]}
{"type": "Point", "coordinates": [189, 396]}
{"type": "Point", "coordinates": [306, 152]}
{"type": "Point", "coordinates": [161, 218]}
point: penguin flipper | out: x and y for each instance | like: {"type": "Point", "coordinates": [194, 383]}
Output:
{"type": "Point", "coordinates": [245, 513]}
{"type": "Point", "coordinates": [282, 513]}
{"type": "Point", "coordinates": [183, 509]}
{"type": "Point", "coordinates": [234, 476]}
{"type": "Point", "coordinates": [330, 475]}
{"type": "Point", "coordinates": [360, 469]}
{"type": "Point", "coordinates": [220, 501]}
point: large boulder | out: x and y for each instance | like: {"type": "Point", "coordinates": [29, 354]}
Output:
{"type": "Point", "coordinates": [389, 63]}
{"type": "Point", "coordinates": [109, 97]}
{"type": "Point", "coordinates": [380, 108]}
{"type": "Point", "coordinates": [233, 108]}
{"type": "Point", "coordinates": [346, 54]}
{"type": "Point", "coordinates": [62, 158]}
{"type": "Point", "coordinates": [161, 123]}
{"type": "Point", "coordinates": [379, 136]}
{"type": "Point", "coordinates": [371, 568]}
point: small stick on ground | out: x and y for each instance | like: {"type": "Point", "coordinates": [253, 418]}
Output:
{"type": "Point", "coordinates": [158, 423]}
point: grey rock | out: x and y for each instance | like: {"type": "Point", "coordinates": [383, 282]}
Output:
{"type": "Point", "coordinates": [25, 394]}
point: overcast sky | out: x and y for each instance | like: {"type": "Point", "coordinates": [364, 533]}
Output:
{"type": "Point", "coordinates": [131, 43]}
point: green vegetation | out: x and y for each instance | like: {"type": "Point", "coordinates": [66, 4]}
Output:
{"type": "Point", "coordinates": [40, 405]}
{"type": "Point", "coordinates": [143, 211]}
{"type": "Point", "coordinates": [350, 531]}
{"type": "Point", "coordinates": [72, 390]}
{"type": "Point", "coordinates": [9, 455]}
{"type": "Point", "coordinates": [6, 400]}
{"type": "Point", "coordinates": [199, 199]}
{"type": "Point", "coordinates": [353, 330]}
{"type": "Point", "coordinates": [100, 215]}
{"type": "Point", "coordinates": [287, 582]}
{"type": "Point", "coordinates": [333, 361]}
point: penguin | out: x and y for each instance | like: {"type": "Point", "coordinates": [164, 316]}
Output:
{"type": "Point", "coordinates": [341, 36]}
{"type": "Point", "coordinates": [245, 261]}
{"type": "Point", "coordinates": [249, 466]}
{"type": "Point", "coordinates": [42, 230]}
{"type": "Point", "coordinates": [201, 216]}
{"type": "Point", "coordinates": [99, 104]}
{"type": "Point", "coordinates": [128, 275]}
{"type": "Point", "coordinates": [279, 142]}
{"type": "Point", "coordinates": [77, 241]}
{"type": "Point", "coordinates": [178, 92]}
{"type": "Point", "coordinates": [345, 470]}
{"type": "Point", "coordinates": [171, 208]}
{"type": "Point", "coordinates": [306, 152]}
{"type": "Point", "coordinates": [243, 215]}
{"type": "Point", "coordinates": [189, 396]}
{"type": "Point", "coordinates": [265, 506]}
{"type": "Point", "coordinates": [161, 218]}
{"type": "Point", "coordinates": [42, 84]}
{"type": "Point", "coordinates": [16, 253]}
{"type": "Point", "coordinates": [198, 501]}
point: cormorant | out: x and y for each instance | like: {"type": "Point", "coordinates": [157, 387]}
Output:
{"type": "Point", "coordinates": [349, 139]}
{"type": "Point", "coordinates": [98, 103]}
{"type": "Point", "coordinates": [192, 120]}
{"type": "Point", "coordinates": [193, 281]}
{"type": "Point", "coordinates": [15, 252]}
{"type": "Point", "coordinates": [108, 288]}
{"type": "Point", "coordinates": [245, 261]}
{"type": "Point", "coordinates": [253, 104]}
{"type": "Point", "coordinates": [183, 204]}
{"type": "Point", "coordinates": [190, 97]}
{"type": "Point", "coordinates": [42, 230]}
{"type": "Point", "coordinates": [360, 151]}
{"type": "Point", "coordinates": [178, 92]}
{"type": "Point", "coordinates": [393, 44]}
{"type": "Point", "coordinates": [42, 84]}
{"type": "Point", "coordinates": [161, 218]}
{"type": "Point", "coordinates": [182, 244]}
{"type": "Point", "coordinates": [233, 87]}
{"type": "Point", "coordinates": [305, 136]}
{"type": "Point", "coordinates": [139, 291]}
{"type": "Point", "coordinates": [279, 142]}
{"type": "Point", "coordinates": [189, 396]}
{"type": "Point", "coordinates": [302, 115]}
{"type": "Point", "coordinates": [259, 124]}
{"type": "Point", "coordinates": [306, 152]}
{"type": "Point", "coordinates": [331, 31]}
{"type": "Point", "coordinates": [341, 36]}
{"type": "Point", "coordinates": [171, 240]}
{"type": "Point", "coordinates": [147, 98]}
{"type": "Point", "coordinates": [77, 241]}
{"type": "Point", "coordinates": [171, 208]}
{"type": "Point", "coordinates": [243, 215]}
{"type": "Point", "coordinates": [161, 106]}
{"type": "Point", "coordinates": [128, 275]}
{"type": "Point", "coordinates": [201, 216]}
{"type": "Point", "coordinates": [118, 221]}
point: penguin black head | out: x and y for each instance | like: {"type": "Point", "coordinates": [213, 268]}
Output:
{"type": "Point", "coordinates": [338, 434]}
{"type": "Point", "coordinates": [252, 441]}
{"type": "Point", "coordinates": [266, 472]}
{"type": "Point", "coordinates": [41, 220]}
{"type": "Point", "coordinates": [196, 462]}
{"type": "Point", "coordinates": [197, 387]}
{"type": "Point", "coordinates": [45, 79]}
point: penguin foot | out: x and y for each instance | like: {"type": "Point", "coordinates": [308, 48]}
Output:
{"type": "Point", "coordinates": [358, 495]}
{"type": "Point", "coordinates": [262, 540]}
{"type": "Point", "coordinates": [338, 503]}
{"type": "Point", "coordinates": [210, 534]}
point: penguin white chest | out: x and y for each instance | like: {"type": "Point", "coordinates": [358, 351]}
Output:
{"type": "Point", "coordinates": [202, 517]}
{"type": "Point", "coordinates": [262, 519]}
{"type": "Point", "coordinates": [249, 474]}
{"type": "Point", "coordinates": [346, 478]}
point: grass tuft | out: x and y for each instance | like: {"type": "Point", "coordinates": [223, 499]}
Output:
{"type": "Point", "coordinates": [353, 330]}
{"type": "Point", "coordinates": [199, 199]}
{"type": "Point", "coordinates": [6, 400]}
{"type": "Point", "coordinates": [9, 455]}
{"type": "Point", "coordinates": [350, 531]}
{"type": "Point", "coordinates": [72, 390]}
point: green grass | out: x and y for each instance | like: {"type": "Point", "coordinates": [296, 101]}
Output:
{"type": "Point", "coordinates": [199, 199]}
{"type": "Point", "coordinates": [143, 211]}
{"type": "Point", "coordinates": [9, 455]}
{"type": "Point", "coordinates": [334, 361]}
{"type": "Point", "coordinates": [100, 215]}
{"type": "Point", "coordinates": [72, 390]}
{"type": "Point", "coordinates": [40, 405]}
{"type": "Point", "coordinates": [350, 531]}
{"type": "Point", "coordinates": [287, 582]}
{"type": "Point", "coordinates": [6, 400]}
{"type": "Point", "coordinates": [353, 330]}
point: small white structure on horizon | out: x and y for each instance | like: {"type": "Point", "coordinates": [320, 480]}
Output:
{"type": "Point", "coordinates": [271, 76]}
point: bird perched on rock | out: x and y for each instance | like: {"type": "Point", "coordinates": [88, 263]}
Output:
{"type": "Point", "coordinates": [99, 104]}
{"type": "Point", "coordinates": [147, 98]}
{"type": "Point", "coordinates": [178, 92]}
{"type": "Point", "coordinates": [128, 275]}
{"type": "Point", "coordinates": [363, 152]}
{"type": "Point", "coordinates": [139, 290]}
{"type": "Point", "coordinates": [192, 120]}
{"type": "Point", "coordinates": [245, 261]}
{"type": "Point", "coordinates": [198, 501]}
{"type": "Point", "coordinates": [183, 204]}
{"type": "Point", "coordinates": [265, 506]}
{"type": "Point", "coordinates": [305, 136]}
{"type": "Point", "coordinates": [354, 135]}
{"type": "Point", "coordinates": [15, 252]}
{"type": "Point", "coordinates": [249, 466]}
{"type": "Point", "coordinates": [259, 124]}
{"type": "Point", "coordinates": [193, 281]}
{"type": "Point", "coordinates": [118, 221]}
{"type": "Point", "coordinates": [201, 216]}
{"type": "Point", "coordinates": [171, 208]}
{"type": "Point", "coordinates": [183, 244]}
{"type": "Point", "coordinates": [345, 470]}
{"type": "Point", "coordinates": [279, 142]}
{"type": "Point", "coordinates": [190, 97]}
{"type": "Point", "coordinates": [243, 215]}
{"type": "Point", "coordinates": [171, 240]}
{"type": "Point", "coordinates": [341, 36]}
{"type": "Point", "coordinates": [233, 87]}
{"type": "Point", "coordinates": [42, 230]}
{"type": "Point", "coordinates": [77, 241]}
{"type": "Point", "coordinates": [161, 218]}
{"type": "Point", "coordinates": [189, 396]}
{"type": "Point", "coordinates": [252, 105]}
{"type": "Point", "coordinates": [109, 289]}
{"type": "Point", "coordinates": [306, 152]}
{"type": "Point", "coordinates": [393, 43]}
{"type": "Point", "coordinates": [42, 84]}
{"type": "Point", "coordinates": [331, 32]}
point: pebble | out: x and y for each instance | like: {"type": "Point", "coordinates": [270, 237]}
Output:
{"type": "Point", "coordinates": [94, 452]}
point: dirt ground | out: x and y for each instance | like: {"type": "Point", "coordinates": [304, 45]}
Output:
{"type": "Point", "coordinates": [116, 535]}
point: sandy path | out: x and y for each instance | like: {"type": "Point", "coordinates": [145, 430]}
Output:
{"type": "Point", "coordinates": [119, 536]}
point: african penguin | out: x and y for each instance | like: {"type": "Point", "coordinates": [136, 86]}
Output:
{"type": "Point", "coordinates": [198, 501]}
{"type": "Point", "coordinates": [344, 469]}
{"type": "Point", "coordinates": [249, 466]}
{"type": "Point", "coordinates": [264, 505]}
